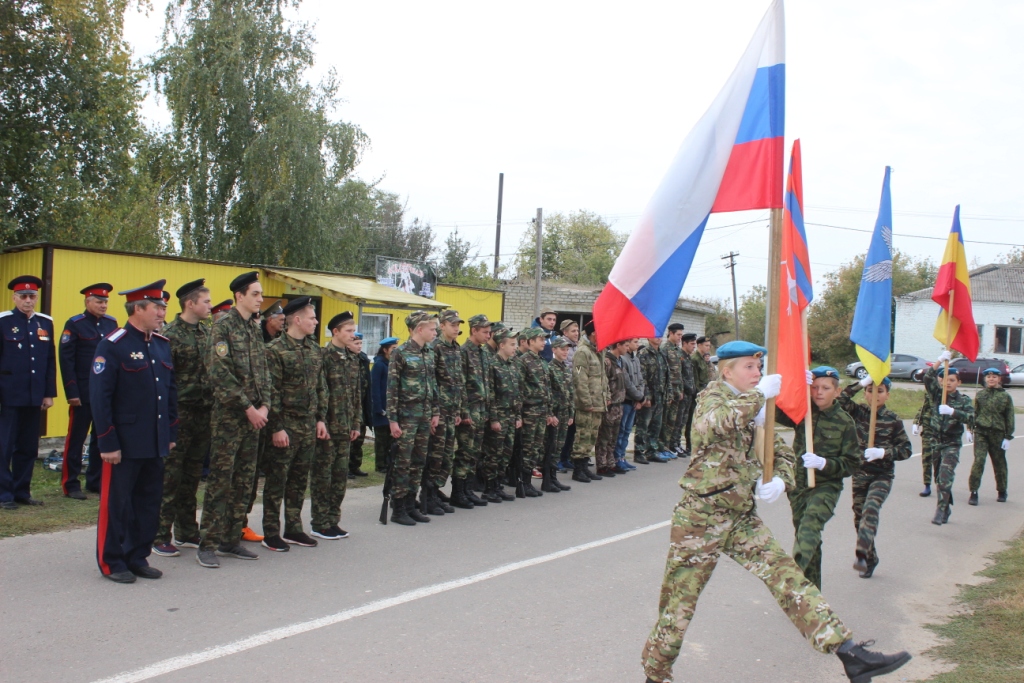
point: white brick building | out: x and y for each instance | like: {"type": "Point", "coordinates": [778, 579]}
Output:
{"type": "Point", "coordinates": [998, 294]}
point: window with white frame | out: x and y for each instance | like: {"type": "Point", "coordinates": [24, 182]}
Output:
{"type": "Point", "coordinates": [374, 326]}
{"type": "Point", "coordinates": [1009, 339]}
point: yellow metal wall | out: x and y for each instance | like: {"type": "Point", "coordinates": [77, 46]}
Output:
{"type": "Point", "coordinates": [468, 302]}
{"type": "Point", "coordinates": [18, 263]}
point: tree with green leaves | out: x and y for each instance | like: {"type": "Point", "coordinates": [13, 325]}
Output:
{"type": "Point", "coordinates": [578, 248]}
{"type": "Point", "coordinates": [719, 324]}
{"type": "Point", "coordinates": [753, 315]}
{"type": "Point", "coordinates": [459, 263]}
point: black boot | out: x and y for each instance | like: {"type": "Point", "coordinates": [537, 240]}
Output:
{"type": "Point", "coordinates": [546, 485]}
{"type": "Point", "coordinates": [973, 500]}
{"type": "Point", "coordinates": [862, 664]}
{"type": "Point", "coordinates": [436, 494]}
{"type": "Point", "coordinates": [1001, 498]}
{"type": "Point", "coordinates": [640, 459]}
{"type": "Point", "coordinates": [870, 569]}
{"type": "Point", "coordinates": [491, 492]}
{"type": "Point", "coordinates": [443, 498]}
{"type": "Point", "coordinates": [939, 517]}
{"type": "Point", "coordinates": [861, 564]}
{"type": "Point", "coordinates": [578, 473]}
{"type": "Point", "coordinates": [500, 490]}
{"type": "Point", "coordinates": [410, 508]}
{"type": "Point", "coordinates": [459, 498]}
{"type": "Point", "coordinates": [473, 498]}
{"type": "Point", "coordinates": [554, 478]}
{"type": "Point", "coordinates": [398, 513]}
{"type": "Point", "coordinates": [594, 476]}
{"type": "Point", "coordinates": [429, 505]}
{"type": "Point", "coordinates": [528, 489]}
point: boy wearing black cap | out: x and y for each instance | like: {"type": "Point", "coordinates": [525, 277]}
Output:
{"type": "Point", "coordinates": [78, 342]}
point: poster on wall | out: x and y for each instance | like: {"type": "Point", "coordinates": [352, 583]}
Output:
{"type": "Point", "coordinates": [412, 277]}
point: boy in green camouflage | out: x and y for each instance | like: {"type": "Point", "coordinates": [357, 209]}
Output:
{"type": "Point", "coordinates": [503, 408]}
{"type": "Point", "coordinates": [923, 426]}
{"type": "Point", "coordinates": [994, 423]}
{"type": "Point", "coordinates": [949, 421]}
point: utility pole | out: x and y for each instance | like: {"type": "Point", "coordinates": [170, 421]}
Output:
{"type": "Point", "coordinates": [497, 231]}
{"type": "Point", "coordinates": [735, 307]}
{"type": "Point", "coordinates": [539, 222]}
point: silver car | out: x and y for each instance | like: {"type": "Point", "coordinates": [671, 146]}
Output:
{"type": "Point", "coordinates": [903, 365]}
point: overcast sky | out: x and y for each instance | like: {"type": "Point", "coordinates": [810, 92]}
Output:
{"type": "Point", "coordinates": [583, 104]}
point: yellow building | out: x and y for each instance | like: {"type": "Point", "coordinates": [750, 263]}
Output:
{"type": "Point", "coordinates": [379, 310]}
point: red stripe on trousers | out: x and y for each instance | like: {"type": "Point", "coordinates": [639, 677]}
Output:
{"type": "Point", "coordinates": [101, 527]}
{"type": "Point", "coordinates": [67, 442]}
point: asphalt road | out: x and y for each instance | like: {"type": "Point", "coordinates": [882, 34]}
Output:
{"type": "Point", "coordinates": [448, 602]}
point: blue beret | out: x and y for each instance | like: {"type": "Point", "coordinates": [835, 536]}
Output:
{"type": "Point", "coordinates": [388, 341]}
{"type": "Point", "coordinates": [952, 371]}
{"type": "Point", "coordinates": [740, 349]}
{"type": "Point", "coordinates": [991, 371]}
{"type": "Point", "coordinates": [887, 383]}
{"type": "Point", "coordinates": [358, 335]}
{"type": "Point", "coordinates": [825, 371]}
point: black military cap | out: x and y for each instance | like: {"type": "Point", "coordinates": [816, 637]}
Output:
{"type": "Point", "coordinates": [222, 306]}
{"type": "Point", "coordinates": [675, 327]}
{"type": "Point", "coordinates": [100, 290]}
{"type": "Point", "coordinates": [244, 280]}
{"type": "Point", "coordinates": [23, 283]}
{"type": "Point", "coordinates": [689, 337]}
{"type": "Point", "coordinates": [189, 287]}
{"type": "Point", "coordinates": [337, 320]}
{"type": "Point", "coordinates": [273, 309]}
{"type": "Point", "coordinates": [151, 292]}
{"type": "Point", "coordinates": [297, 304]}
{"type": "Point", "coordinates": [701, 340]}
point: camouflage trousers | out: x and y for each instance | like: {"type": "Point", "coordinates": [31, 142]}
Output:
{"type": "Point", "coordinates": [355, 451]}
{"type": "Point", "coordinates": [701, 532]}
{"type": "Point", "coordinates": [869, 492]}
{"type": "Point", "coordinates": [233, 446]}
{"type": "Point", "coordinates": [381, 447]}
{"type": "Point", "coordinates": [560, 435]}
{"type": "Point", "coordinates": [948, 457]}
{"type": "Point", "coordinates": [183, 469]}
{"type": "Point", "coordinates": [648, 430]}
{"type": "Point", "coordinates": [263, 446]}
{"type": "Point", "coordinates": [607, 435]}
{"type": "Point", "coordinates": [328, 479]}
{"type": "Point", "coordinates": [682, 416]}
{"type": "Point", "coordinates": [470, 438]}
{"type": "Point", "coordinates": [442, 450]}
{"type": "Point", "coordinates": [497, 447]}
{"type": "Point", "coordinates": [927, 448]}
{"type": "Point", "coordinates": [988, 444]}
{"type": "Point", "coordinates": [812, 508]}
{"type": "Point", "coordinates": [669, 416]}
{"type": "Point", "coordinates": [286, 478]}
{"type": "Point", "coordinates": [410, 454]}
{"type": "Point", "coordinates": [535, 422]}
{"type": "Point", "coordinates": [587, 424]}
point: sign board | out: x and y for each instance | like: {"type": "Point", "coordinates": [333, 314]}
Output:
{"type": "Point", "coordinates": [412, 277]}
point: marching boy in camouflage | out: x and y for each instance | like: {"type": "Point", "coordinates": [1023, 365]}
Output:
{"type": "Point", "coordinates": [450, 389]}
{"type": "Point", "coordinates": [413, 412]}
{"type": "Point", "coordinates": [923, 427]}
{"type": "Point", "coordinates": [474, 356]}
{"type": "Point", "coordinates": [328, 481]}
{"type": "Point", "coordinates": [504, 406]}
{"type": "Point", "coordinates": [949, 421]}
{"type": "Point", "coordinates": [994, 423]}
{"type": "Point", "coordinates": [873, 479]}
{"type": "Point", "coordinates": [563, 398]}
{"type": "Point", "coordinates": [537, 413]}
{"type": "Point", "coordinates": [718, 514]}
{"type": "Point", "coordinates": [837, 456]}
{"type": "Point", "coordinates": [298, 414]}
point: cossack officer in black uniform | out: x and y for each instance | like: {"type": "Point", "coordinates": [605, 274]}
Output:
{"type": "Point", "coordinates": [77, 348]}
{"type": "Point", "coordinates": [28, 385]}
{"type": "Point", "coordinates": [135, 410]}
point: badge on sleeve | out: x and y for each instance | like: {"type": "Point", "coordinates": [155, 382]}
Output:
{"type": "Point", "coordinates": [222, 348]}
{"type": "Point", "coordinates": [66, 337]}
{"type": "Point", "coordinates": [98, 363]}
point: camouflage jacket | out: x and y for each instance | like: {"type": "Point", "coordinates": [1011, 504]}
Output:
{"type": "Point", "coordinates": [344, 398]}
{"type": "Point", "coordinates": [701, 370]}
{"type": "Point", "coordinates": [993, 411]}
{"type": "Point", "coordinates": [674, 355]}
{"type": "Point", "coordinates": [835, 439]}
{"type": "Point", "coordinates": [474, 361]}
{"type": "Point", "coordinates": [503, 400]}
{"type": "Point", "coordinates": [724, 468]}
{"type": "Point", "coordinates": [238, 368]}
{"type": "Point", "coordinates": [563, 394]}
{"type": "Point", "coordinates": [616, 377]}
{"type": "Point", "coordinates": [300, 390]}
{"type": "Point", "coordinates": [589, 380]}
{"type": "Point", "coordinates": [923, 417]}
{"type": "Point", "coordinates": [535, 384]}
{"type": "Point", "coordinates": [451, 384]}
{"type": "Point", "coordinates": [688, 373]}
{"type": "Point", "coordinates": [190, 351]}
{"type": "Point", "coordinates": [655, 369]}
{"type": "Point", "coordinates": [889, 433]}
{"type": "Point", "coordinates": [948, 429]}
{"type": "Point", "coordinates": [412, 382]}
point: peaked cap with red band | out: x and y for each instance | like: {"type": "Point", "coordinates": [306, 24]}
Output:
{"type": "Point", "coordinates": [25, 283]}
{"type": "Point", "coordinates": [100, 290]}
{"type": "Point", "coordinates": [151, 292]}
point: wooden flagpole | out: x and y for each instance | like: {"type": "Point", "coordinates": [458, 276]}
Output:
{"type": "Point", "coordinates": [774, 276]}
{"type": "Point", "coordinates": [808, 422]}
{"type": "Point", "coordinates": [949, 340]}
{"type": "Point", "coordinates": [874, 416]}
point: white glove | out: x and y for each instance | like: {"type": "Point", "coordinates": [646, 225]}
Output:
{"type": "Point", "coordinates": [759, 418]}
{"type": "Point", "coordinates": [944, 356]}
{"type": "Point", "coordinates": [1006, 444]}
{"type": "Point", "coordinates": [866, 382]}
{"type": "Point", "coordinates": [945, 410]}
{"type": "Point", "coordinates": [872, 454]}
{"type": "Point", "coordinates": [916, 430]}
{"type": "Point", "coordinates": [770, 385]}
{"type": "Point", "coordinates": [968, 437]}
{"type": "Point", "coordinates": [814, 461]}
{"type": "Point", "coordinates": [809, 376]}
{"type": "Point", "coordinates": [771, 491]}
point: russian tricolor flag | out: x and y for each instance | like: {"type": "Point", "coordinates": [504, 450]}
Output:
{"type": "Point", "coordinates": [732, 160]}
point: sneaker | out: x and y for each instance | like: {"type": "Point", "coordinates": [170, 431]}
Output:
{"type": "Point", "coordinates": [619, 469]}
{"type": "Point", "coordinates": [973, 500]}
{"type": "Point", "coordinates": [668, 455]}
{"type": "Point", "coordinates": [326, 534]}
{"type": "Point", "coordinates": [187, 543]}
{"type": "Point", "coordinates": [166, 550]}
{"type": "Point", "coordinates": [625, 463]}
{"type": "Point", "coordinates": [275, 543]}
{"type": "Point", "coordinates": [236, 551]}
{"type": "Point", "coordinates": [341, 533]}
{"type": "Point", "coordinates": [536, 474]}
{"type": "Point", "coordinates": [206, 557]}
{"type": "Point", "coordinates": [299, 538]}
{"type": "Point", "coordinates": [250, 535]}
{"type": "Point", "coordinates": [657, 457]}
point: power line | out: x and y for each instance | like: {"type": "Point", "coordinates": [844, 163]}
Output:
{"type": "Point", "coordinates": [920, 237]}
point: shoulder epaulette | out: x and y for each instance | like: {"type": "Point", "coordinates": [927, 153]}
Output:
{"type": "Point", "coordinates": [109, 317]}
{"type": "Point", "coordinates": [160, 336]}
{"type": "Point", "coordinates": [76, 318]}
{"type": "Point", "coordinates": [4, 314]}
{"type": "Point", "coordinates": [43, 315]}
{"type": "Point", "coordinates": [115, 335]}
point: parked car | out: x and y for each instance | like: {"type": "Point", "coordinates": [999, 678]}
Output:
{"type": "Point", "coordinates": [903, 365]}
{"type": "Point", "coordinates": [1017, 376]}
{"type": "Point", "coordinates": [970, 373]}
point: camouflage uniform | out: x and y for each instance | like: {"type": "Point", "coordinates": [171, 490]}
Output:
{"type": "Point", "coordinates": [328, 481]}
{"type": "Point", "coordinates": [190, 347]}
{"type": "Point", "coordinates": [716, 515]}
{"type": "Point", "coordinates": [450, 389]}
{"type": "Point", "coordinates": [536, 399]}
{"type": "Point", "coordinates": [240, 378]}
{"type": "Point", "coordinates": [412, 403]}
{"type": "Point", "coordinates": [355, 457]}
{"type": "Point", "coordinates": [608, 432]}
{"type": "Point", "coordinates": [686, 405]}
{"type": "Point", "coordinates": [669, 427]}
{"type": "Point", "coordinates": [994, 421]}
{"type": "Point", "coordinates": [648, 420]}
{"type": "Point", "coordinates": [873, 480]}
{"type": "Point", "coordinates": [702, 371]}
{"type": "Point", "coordinates": [591, 385]}
{"type": "Point", "coordinates": [948, 431]}
{"type": "Point", "coordinates": [298, 403]}
{"type": "Point", "coordinates": [835, 439]}
{"type": "Point", "coordinates": [563, 400]}
{"type": "Point", "coordinates": [923, 418]}
{"type": "Point", "coordinates": [504, 405]}
{"type": "Point", "coordinates": [474, 361]}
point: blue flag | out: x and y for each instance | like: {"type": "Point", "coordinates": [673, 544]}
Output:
{"type": "Point", "coordinates": [872, 319]}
